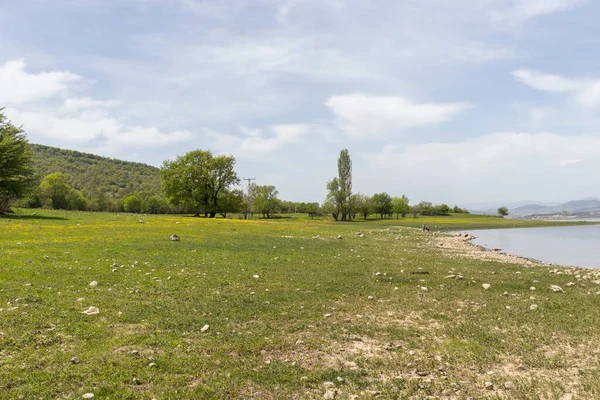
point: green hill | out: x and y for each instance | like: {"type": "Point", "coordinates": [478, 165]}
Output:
{"type": "Point", "coordinates": [95, 175]}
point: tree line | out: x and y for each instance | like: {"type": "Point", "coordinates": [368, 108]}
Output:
{"type": "Point", "coordinates": [197, 182]}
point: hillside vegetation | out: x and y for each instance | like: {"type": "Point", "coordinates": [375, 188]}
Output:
{"type": "Point", "coordinates": [96, 175]}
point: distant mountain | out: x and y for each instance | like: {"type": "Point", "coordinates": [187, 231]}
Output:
{"type": "Point", "coordinates": [491, 207]}
{"type": "Point", "coordinates": [96, 175]}
{"type": "Point", "coordinates": [576, 207]}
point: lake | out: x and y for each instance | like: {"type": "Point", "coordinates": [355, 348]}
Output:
{"type": "Point", "coordinates": [563, 245]}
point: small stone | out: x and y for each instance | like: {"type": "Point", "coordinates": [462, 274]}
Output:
{"type": "Point", "coordinates": [327, 315]}
{"type": "Point", "coordinates": [370, 297]}
{"type": "Point", "coordinates": [205, 328]}
{"type": "Point", "coordinates": [75, 360]}
{"type": "Point", "coordinates": [533, 307]}
{"type": "Point", "coordinates": [423, 288]}
{"type": "Point", "coordinates": [489, 386]}
{"type": "Point", "coordinates": [450, 277]}
{"type": "Point", "coordinates": [28, 284]}
{"type": "Point", "coordinates": [174, 238]}
{"type": "Point", "coordinates": [88, 396]}
{"type": "Point", "coordinates": [329, 384]}
{"type": "Point", "coordinates": [91, 311]}
{"type": "Point", "coordinates": [532, 288]}
{"type": "Point", "coordinates": [256, 276]}
{"type": "Point", "coordinates": [422, 373]}
{"type": "Point", "coordinates": [509, 385]}
{"type": "Point", "coordinates": [329, 394]}
{"type": "Point", "coordinates": [571, 284]}
{"type": "Point", "coordinates": [114, 270]}
{"type": "Point", "coordinates": [340, 379]}
{"type": "Point", "coordinates": [152, 364]}
{"type": "Point", "coordinates": [556, 288]}
{"type": "Point", "coordinates": [459, 277]}
{"type": "Point", "coordinates": [377, 273]}
{"type": "Point", "coordinates": [140, 222]}
{"type": "Point", "coordinates": [505, 294]}
{"type": "Point", "coordinates": [93, 284]}
{"type": "Point", "coordinates": [340, 237]}
{"type": "Point", "coordinates": [136, 381]}
{"type": "Point", "coordinates": [486, 286]}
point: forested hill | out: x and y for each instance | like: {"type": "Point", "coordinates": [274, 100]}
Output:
{"type": "Point", "coordinates": [97, 175]}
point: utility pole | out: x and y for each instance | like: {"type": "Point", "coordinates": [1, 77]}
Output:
{"type": "Point", "coordinates": [249, 180]}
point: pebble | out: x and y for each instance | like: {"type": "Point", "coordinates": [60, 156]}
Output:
{"type": "Point", "coordinates": [93, 284]}
{"type": "Point", "coordinates": [532, 288]}
{"type": "Point", "coordinates": [329, 384]}
{"type": "Point", "coordinates": [205, 328]}
{"type": "Point", "coordinates": [509, 385]}
{"type": "Point", "coordinates": [91, 311]}
{"type": "Point", "coordinates": [489, 386]}
{"type": "Point", "coordinates": [329, 394]}
{"type": "Point", "coordinates": [75, 360]}
{"type": "Point", "coordinates": [88, 396]}
{"type": "Point", "coordinates": [533, 307]}
{"type": "Point", "coordinates": [486, 286]}
{"type": "Point", "coordinates": [370, 297]}
{"type": "Point", "coordinates": [556, 288]}
{"type": "Point", "coordinates": [256, 276]}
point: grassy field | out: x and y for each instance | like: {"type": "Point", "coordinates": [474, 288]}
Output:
{"type": "Point", "coordinates": [283, 309]}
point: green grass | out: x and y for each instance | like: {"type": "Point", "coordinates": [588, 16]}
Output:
{"type": "Point", "coordinates": [306, 320]}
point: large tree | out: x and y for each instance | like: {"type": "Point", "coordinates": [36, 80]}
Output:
{"type": "Point", "coordinates": [264, 199]}
{"type": "Point", "coordinates": [400, 206]}
{"type": "Point", "coordinates": [197, 180]}
{"type": "Point", "coordinates": [16, 164]}
{"type": "Point", "coordinates": [382, 204]}
{"type": "Point", "coordinates": [340, 187]}
{"type": "Point", "coordinates": [55, 192]}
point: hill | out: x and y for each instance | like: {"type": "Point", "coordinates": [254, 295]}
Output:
{"type": "Point", "coordinates": [95, 175]}
{"type": "Point", "coordinates": [575, 207]}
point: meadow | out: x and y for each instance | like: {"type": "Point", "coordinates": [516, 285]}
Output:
{"type": "Point", "coordinates": [282, 309]}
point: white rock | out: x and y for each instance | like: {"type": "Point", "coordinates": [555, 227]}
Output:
{"type": "Point", "coordinates": [205, 328]}
{"type": "Point", "coordinates": [486, 286]}
{"type": "Point", "coordinates": [532, 288]}
{"type": "Point", "coordinates": [370, 297]}
{"type": "Point", "coordinates": [571, 284]}
{"type": "Point", "coordinates": [329, 394]}
{"type": "Point", "coordinates": [533, 307]}
{"type": "Point", "coordinates": [93, 284]}
{"type": "Point", "coordinates": [423, 288]}
{"type": "Point", "coordinates": [329, 384]}
{"type": "Point", "coordinates": [327, 315]}
{"type": "Point", "coordinates": [256, 276]}
{"type": "Point", "coordinates": [91, 311]}
{"type": "Point", "coordinates": [509, 385]}
{"type": "Point", "coordinates": [88, 396]}
{"type": "Point", "coordinates": [556, 288]}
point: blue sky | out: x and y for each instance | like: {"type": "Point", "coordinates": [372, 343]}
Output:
{"type": "Point", "coordinates": [456, 102]}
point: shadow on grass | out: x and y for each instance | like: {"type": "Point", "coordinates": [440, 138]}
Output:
{"type": "Point", "coordinates": [40, 217]}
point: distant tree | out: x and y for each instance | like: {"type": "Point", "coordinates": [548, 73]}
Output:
{"type": "Point", "coordinates": [414, 210]}
{"type": "Point", "coordinates": [502, 211]}
{"type": "Point", "coordinates": [54, 191]}
{"type": "Point", "coordinates": [231, 201]}
{"type": "Point", "coordinates": [426, 208]}
{"type": "Point", "coordinates": [382, 204]}
{"type": "Point", "coordinates": [340, 187]}
{"type": "Point", "coordinates": [264, 199]}
{"type": "Point", "coordinates": [154, 205]}
{"type": "Point", "coordinates": [400, 206]}
{"type": "Point", "coordinates": [76, 200]}
{"type": "Point", "coordinates": [132, 204]}
{"type": "Point", "coordinates": [363, 205]}
{"type": "Point", "coordinates": [197, 180]}
{"type": "Point", "coordinates": [442, 209]}
{"type": "Point", "coordinates": [312, 209]}
{"type": "Point", "coordinates": [16, 164]}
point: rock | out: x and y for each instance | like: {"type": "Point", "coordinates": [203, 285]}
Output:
{"type": "Point", "coordinates": [329, 394]}
{"type": "Point", "coordinates": [205, 328]}
{"type": "Point", "coordinates": [571, 284]}
{"type": "Point", "coordinates": [505, 294]}
{"type": "Point", "coordinates": [361, 235]}
{"type": "Point", "coordinates": [174, 238]}
{"type": "Point", "coordinates": [75, 360]}
{"type": "Point", "coordinates": [329, 384]}
{"type": "Point", "coordinates": [340, 379]}
{"type": "Point", "coordinates": [91, 311]}
{"type": "Point", "coordinates": [256, 276]}
{"type": "Point", "coordinates": [450, 277]}
{"type": "Point", "coordinates": [140, 222]}
{"type": "Point", "coordinates": [370, 297]}
{"type": "Point", "coordinates": [567, 396]}
{"type": "Point", "coordinates": [93, 284]}
{"type": "Point", "coordinates": [340, 237]}
{"type": "Point", "coordinates": [377, 273]}
{"type": "Point", "coordinates": [489, 386]}
{"type": "Point", "coordinates": [532, 288]}
{"type": "Point", "coordinates": [152, 364]}
{"type": "Point", "coordinates": [136, 381]}
{"type": "Point", "coordinates": [459, 277]}
{"type": "Point", "coordinates": [88, 396]}
{"type": "Point", "coordinates": [28, 284]}
{"type": "Point", "coordinates": [486, 286]}
{"type": "Point", "coordinates": [533, 307]}
{"type": "Point", "coordinates": [423, 288]}
{"type": "Point", "coordinates": [556, 288]}
{"type": "Point", "coordinates": [327, 315]}
{"type": "Point", "coordinates": [422, 373]}
{"type": "Point", "coordinates": [509, 385]}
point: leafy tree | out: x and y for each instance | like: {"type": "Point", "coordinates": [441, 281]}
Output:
{"type": "Point", "coordinates": [442, 209]}
{"type": "Point", "coordinates": [16, 164]}
{"type": "Point", "coordinates": [231, 201]}
{"type": "Point", "coordinates": [312, 209]}
{"type": "Point", "coordinates": [363, 204]}
{"type": "Point", "coordinates": [340, 188]}
{"type": "Point", "coordinates": [76, 200]}
{"type": "Point", "coordinates": [155, 205]}
{"type": "Point", "coordinates": [400, 206]}
{"type": "Point", "coordinates": [54, 191]}
{"type": "Point", "coordinates": [426, 208]}
{"type": "Point", "coordinates": [198, 179]}
{"type": "Point", "coordinates": [132, 204]}
{"type": "Point", "coordinates": [382, 204]}
{"type": "Point", "coordinates": [502, 211]}
{"type": "Point", "coordinates": [264, 199]}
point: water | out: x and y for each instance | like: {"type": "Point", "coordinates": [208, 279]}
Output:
{"type": "Point", "coordinates": [563, 245]}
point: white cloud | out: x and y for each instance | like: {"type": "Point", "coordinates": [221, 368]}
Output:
{"type": "Point", "coordinates": [585, 91]}
{"type": "Point", "coordinates": [519, 11]}
{"type": "Point", "coordinates": [257, 143]}
{"type": "Point", "coordinates": [362, 117]}
{"type": "Point", "coordinates": [17, 86]}
{"type": "Point", "coordinates": [498, 165]}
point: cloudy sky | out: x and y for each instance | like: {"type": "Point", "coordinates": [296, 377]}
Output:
{"type": "Point", "coordinates": [447, 101]}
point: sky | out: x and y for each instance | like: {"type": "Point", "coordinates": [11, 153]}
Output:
{"type": "Point", "coordinates": [455, 102]}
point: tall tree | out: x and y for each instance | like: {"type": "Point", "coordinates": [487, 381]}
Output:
{"type": "Point", "coordinates": [54, 191]}
{"type": "Point", "coordinates": [16, 164]}
{"type": "Point", "coordinates": [400, 206]}
{"type": "Point", "coordinates": [340, 187]}
{"type": "Point", "coordinates": [264, 199]}
{"type": "Point", "coordinates": [197, 179]}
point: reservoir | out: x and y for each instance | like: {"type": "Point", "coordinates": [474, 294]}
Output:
{"type": "Point", "coordinates": [577, 246]}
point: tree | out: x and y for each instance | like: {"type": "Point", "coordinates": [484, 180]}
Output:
{"type": "Point", "coordinates": [16, 164]}
{"type": "Point", "coordinates": [197, 180]}
{"type": "Point", "coordinates": [264, 199]}
{"type": "Point", "coordinates": [231, 201]}
{"type": "Point", "coordinates": [54, 191]}
{"type": "Point", "coordinates": [502, 211]}
{"type": "Point", "coordinates": [363, 205]}
{"type": "Point", "coordinates": [442, 209]}
{"type": "Point", "coordinates": [340, 187]}
{"type": "Point", "coordinates": [382, 204]}
{"type": "Point", "coordinates": [132, 204]}
{"type": "Point", "coordinates": [400, 206]}
{"type": "Point", "coordinates": [76, 200]}
{"type": "Point", "coordinates": [312, 209]}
